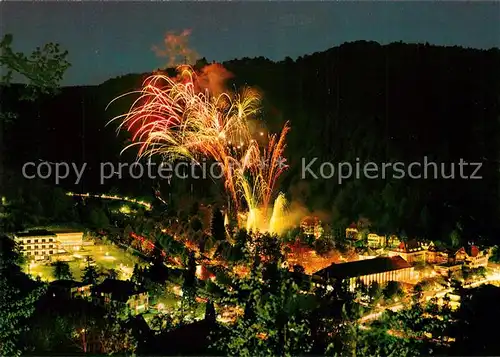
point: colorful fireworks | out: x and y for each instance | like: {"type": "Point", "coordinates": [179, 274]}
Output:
{"type": "Point", "coordinates": [178, 119]}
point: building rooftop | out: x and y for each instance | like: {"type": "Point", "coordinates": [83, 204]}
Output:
{"type": "Point", "coordinates": [66, 230]}
{"type": "Point", "coordinates": [363, 267]}
{"type": "Point", "coordinates": [471, 250]}
{"type": "Point", "coordinates": [35, 233]}
{"type": "Point", "coordinates": [310, 221]}
{"type": "Point", "coordinates": [353, 226]}
{"type": "Point", "coordinates": [409, 246]}
{"type": "Point", "coordinates": [441, 249]}
{"type": "Point", "coordinates": [120, 290]}
{"type": "Point", "coordinates": [67, 284]}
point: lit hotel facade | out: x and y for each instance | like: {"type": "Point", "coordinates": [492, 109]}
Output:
{"type": "Point", "coordinates": [37, 244]}
{"type": "Point", "coordinates": [42, 244]}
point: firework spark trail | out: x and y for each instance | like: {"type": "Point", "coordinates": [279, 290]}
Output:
{"type": "Point", "coordinates": [178, 120]}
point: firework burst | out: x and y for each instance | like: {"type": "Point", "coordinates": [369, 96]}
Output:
{"type": "Point", "coordinates": [177, 119]}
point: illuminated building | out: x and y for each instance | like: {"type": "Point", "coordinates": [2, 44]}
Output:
{"type": "Point", "coordinates": [448, 262]}
{"type": "Point", "coordinates": [382, 270]}
{"type": "Point", "coordinates": [376, 241]}
{"type": "Point", "coordinates": [69, 240]}
{"type": "Point", "coordinates": [37, 244]}
{"type": "Point", "coordinates": [41, 244]}
{"type": "Point", "coordinates": [312, 226]}
{"type": "Point", "coordinates": [352, 232]}
{"type": "Point", "coordinates": [411, 251]}
{"type": "Point", "coordinates": [121, 293]}
{"type": "Point", "coordinates": [472, 257]}
{"type": "Point", "coordinates": [436, 255]}
{"type": "Point", "coordinates": [393, 241]}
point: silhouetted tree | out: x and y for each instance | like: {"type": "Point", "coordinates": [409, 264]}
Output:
{"type": "Point", "coordinates": [196, 224]}
{"type": "Point", "coordinates": [210, 313]}
{"type": "Point", "coordinates": [217, 225]}
{"type": "Point", "coordinates": [189, 284]}
{"type": "Point", "coordinates": [17, 297]}
{"type": "Point", "coordinates": [62, 271]}
{"type": "Point", "coordinates": [112, 274]}
{"type": "Point", "coordinates": [90, 274]}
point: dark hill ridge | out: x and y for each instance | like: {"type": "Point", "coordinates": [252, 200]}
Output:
{"type": "Point", "coordinates": [395, 102]}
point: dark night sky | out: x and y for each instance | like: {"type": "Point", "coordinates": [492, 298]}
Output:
{"type": "Point", "coordinates": [106, 39]}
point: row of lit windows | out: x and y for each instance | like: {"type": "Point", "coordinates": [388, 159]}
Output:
{"type": "Point", "coordinates": [40, 253]}
{"type": "Point", "coordinates": [42, 240]}
{"type": "Point", "coordinates": [36, 247]}
{"type": "Point", "coordinates": [411, 251]}
{"type": "Point", "coordinates": [479, 259]}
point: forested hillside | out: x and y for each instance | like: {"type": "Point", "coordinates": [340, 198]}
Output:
{"type": "Point", "coordinates": [390, 103]}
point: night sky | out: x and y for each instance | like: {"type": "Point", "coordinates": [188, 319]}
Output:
{"type": "Point", "coordinates": [107, 39]}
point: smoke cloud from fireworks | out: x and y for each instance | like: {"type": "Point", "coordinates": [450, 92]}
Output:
{"type": "Point", "coordinates": [176, 49]}
{"type": "Point", "coordinates": [213, 78]}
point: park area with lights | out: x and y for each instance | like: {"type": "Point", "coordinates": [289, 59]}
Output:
{"type": "Point", "coordinates": [105, 256]}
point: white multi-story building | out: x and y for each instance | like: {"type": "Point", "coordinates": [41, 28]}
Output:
{"type": "Point", "coordinates": [37, 244]}
{"type": "Point", "coordinates": [41, 244]}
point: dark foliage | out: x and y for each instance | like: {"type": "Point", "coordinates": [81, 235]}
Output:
{"type": "Point", "coordinates": [217, 225]}
{"type": "Point", "coordinates": [393, 103]}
